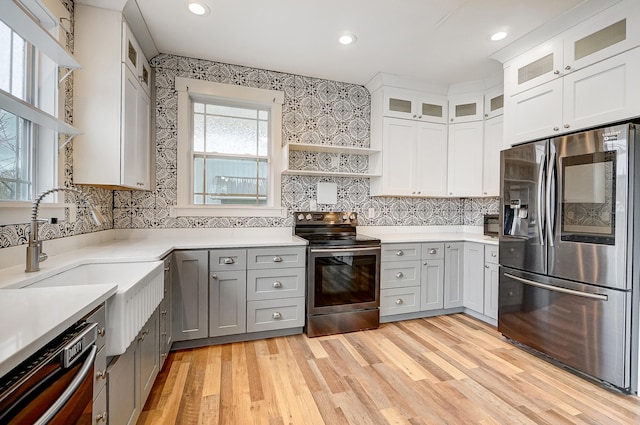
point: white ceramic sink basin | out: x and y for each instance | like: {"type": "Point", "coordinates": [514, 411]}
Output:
{"type": "Point", "coordinates": [140, 290]}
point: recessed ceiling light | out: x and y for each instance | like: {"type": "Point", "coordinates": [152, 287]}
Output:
{"type": "Point", "coordinates": [347, 39]}
{"type": "Point", "coordinates": [498, 36]}
{"type": "Point", "coordinates": [198, 8]}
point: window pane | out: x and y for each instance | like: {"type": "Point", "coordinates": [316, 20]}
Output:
{"type": "Point", "coordinates": [18, 67]}
{"type": "Point", "coordinates": [15, 158]}
{"type": "Point", "coordinates": [235, 181]}
{"type": "Point", "coordinates": [198, 175]}
{"type": "Point", "coordinates": [263, 138]}
{"type": "Point", "coordinates": [230, 111]}
{"type": "Point", "coordinates": [263, 115]}
{"type": "Point", "coordinates": [198, 133]}
{"type": "Point", "coordinates": [198, 107]}
{"type": "Point", "coordinates": [231, 135]}
{"type": "Point", "coordinates": [5, 57]}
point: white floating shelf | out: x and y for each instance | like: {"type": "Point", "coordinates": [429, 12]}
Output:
{"type": "Point", "coordinates": [327, 173]}
{"type": "Point", "coordinates": [330, 148]}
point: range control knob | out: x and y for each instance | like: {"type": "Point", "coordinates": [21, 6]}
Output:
{"type": "Point", "coordinates": [344, 217]}
{"type": "Point", "coordinates": [308, 217]}
{"type": "Point", "coordinates": [300, 217]}
{"type": "Point", "coordinates": [352, 217]}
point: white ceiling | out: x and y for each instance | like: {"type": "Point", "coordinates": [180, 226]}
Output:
{"type": "Point", "coordinates": [440, 41]}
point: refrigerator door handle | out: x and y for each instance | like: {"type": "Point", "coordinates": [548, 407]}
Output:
{"type": "Point", "coordinates": [599, 297]}
{"type": "Point", "coordinates": [542, 175]}
{"type": "Point", "coordinates": [551, 186]}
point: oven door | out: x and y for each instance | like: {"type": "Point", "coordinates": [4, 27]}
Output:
{"type": "Point", "coordinates": [343, 279]}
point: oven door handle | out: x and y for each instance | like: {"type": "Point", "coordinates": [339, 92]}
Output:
{"type": "Point", "coordinates": [71, 389]}
{"type": "Point", "coordinates": [599, 297]}
{"type": "Point", "coordinates": [334, 250]}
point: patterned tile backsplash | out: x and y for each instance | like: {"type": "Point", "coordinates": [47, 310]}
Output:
{"type": "Point", "coordinates": [315, 111]}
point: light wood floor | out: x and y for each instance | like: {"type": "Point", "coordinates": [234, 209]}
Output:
{"type": "Point", "coordinates": [441, 370]}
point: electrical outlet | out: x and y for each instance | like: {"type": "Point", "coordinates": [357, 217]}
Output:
{"type": "Point", "coordinates": [335, 162]}
{"type": "Point", "coordinates": [372, 213]}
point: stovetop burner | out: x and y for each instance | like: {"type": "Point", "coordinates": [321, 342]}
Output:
{"type": "Point", "coordinates": [330, 229]}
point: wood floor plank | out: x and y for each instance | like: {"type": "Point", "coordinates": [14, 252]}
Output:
{"type": "Point", "coordinates": [439, 370]}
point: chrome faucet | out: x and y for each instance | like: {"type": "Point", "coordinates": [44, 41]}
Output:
{"type": "Point", "coordinates": [34, 249]}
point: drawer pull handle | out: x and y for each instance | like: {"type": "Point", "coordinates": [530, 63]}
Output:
{"type": "Point", "coordinates": [277, 284]}
{"type": "Point", "coordinates": [399, 275]}
{"type": "Point", "coordinates": [400, 253]}
{"type": "Point", "coordinates": [399, 301]}
{"type": "Point", "coordinates": [486, 266]}
{"type": "Point", "coordinates": [102, 332]}
{"type": "Point", "coordinates": [277, 259]}
{"type": "Point", "coordinates": [101, 374]}
{"type": "Point", "coordinates": [276, 316]}
{"type": "Point", "coordinates": [228, 260]}
{"type": "Point", "coordinates": [433, 251]}
{"type": "Point", "coordinates": [102, 417]}
{"type": "Point", "coordinates": [493, 254]}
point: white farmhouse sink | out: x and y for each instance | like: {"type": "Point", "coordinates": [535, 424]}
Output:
{"type": "Point", "coordinates": [140, 290]}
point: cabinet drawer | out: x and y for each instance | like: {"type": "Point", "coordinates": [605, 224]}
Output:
{"type": "Point", "coordinates": [227, 259]}
{"type": "Point", "coordinates": [396, 274]}
{"type": "Point", "coordinates": [277, 283]}
{"type": "Point", "coordinates": [400, 252]}
{"type": "Point", "coordinates": [431, 251]}
{"type": "Point", "coordinates": [491, 254]}
{"type": "Point", "coordinates": [399, 300]}
{"type": "Point", "coordinates": [99, 317]}
{"type": "Point", "coordinates": [100, 372]}
{"type": "Point", "coordinates": [267, 258]}
{"type": "Point", "coordinates": [267, 315]}
{"type": "Point", "coordinates": [100, 413]}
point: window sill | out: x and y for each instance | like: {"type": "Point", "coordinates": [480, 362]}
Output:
{"type": "Point", "coordinates": [19, 212]}
{"type": "Point", "coordinates": [226, 211]}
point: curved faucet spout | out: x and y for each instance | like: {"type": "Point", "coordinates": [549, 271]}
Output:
{"type": "Point", "coordinates": [34, 248]}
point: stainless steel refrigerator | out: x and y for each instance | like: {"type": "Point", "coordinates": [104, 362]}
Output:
{"type": "Point", "coordinates": [569, 226]}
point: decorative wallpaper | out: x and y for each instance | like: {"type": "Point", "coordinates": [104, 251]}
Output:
{"type": "Point", "coordinates": [18, 234]}
{"type": "Point", "coordinates": [315, 111]}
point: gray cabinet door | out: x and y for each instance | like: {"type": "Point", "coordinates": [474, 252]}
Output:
{"type": "Point", "coordinates": [227, 303]}
{"type": "Point", "coordinates": [432, 283]}
{"type": "Point", "coordinates": [124, 404]}
{"type": "Point", "coordinates": [148, 356]}
{"type": "Point", "coordinates": [491, 275]}
{"type": "Point", "coordinates": [453, 274]}
{"type": "Point", "coordinates": [190, 292]}
{"type": "Point", "coordinates": [473, 276]}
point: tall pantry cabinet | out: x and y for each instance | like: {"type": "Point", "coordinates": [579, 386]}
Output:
{"type": "Point", "coordinates": [112, 105]}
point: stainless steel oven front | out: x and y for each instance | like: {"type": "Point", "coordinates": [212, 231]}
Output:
{"type": "Point", "coordinates": [343, 289]}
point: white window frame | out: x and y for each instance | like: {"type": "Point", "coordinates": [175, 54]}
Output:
{"type": "Point", "coordinates": [190, 89]}
{"type": "Point", "coordinates": [38, 22]}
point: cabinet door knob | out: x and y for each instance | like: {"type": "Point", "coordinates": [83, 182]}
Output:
{"type": "Point", "coordinates": [399, 275]}
{"type": "Point", "coordinates": [399, 301]}
{"type": "Point", "coordinates": [214, 276]}
{"type": "Point", "coordinates": [556, 128]}
{"type": "Point", "coordinates": [566, 126]}
{"type": "Point", "coordinates": [433, 251]}
{"type": "Point", "coordinates": [420, 117]}
{"type": "Point", "coordinates": [493, 254]}
{"type": "Point", "coordinates": [486, 266]}
{"type": "Point", "coordinates": [400, 253]}
{"type": "Point", "coordinates": [276, 315]}
{"type": "Point", "coordinates": [102, 417]}
{"type": "Point", "coordinates": [556, 72]}
{"type": "Point", "coordinates": [277, 284]}
{"type": "Point", "coordinates": [277, 259]}
{"type": "Point", "coordinates": [448, 246]}
{"type": "Point", "coordinates": [424, 264]}
{"type": "Point", "coordinates": [568, 67]}
{"type": "Point", "coordinates": [414, 116]}
{"type": "Point", "coordinates": [101, 374]}
{"type": "Point", "coordinates": [228, 260]}
{"type": "Point", "coordinates": [102, 332]}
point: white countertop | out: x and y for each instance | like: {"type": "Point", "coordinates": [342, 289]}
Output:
{"type": "Point", "coordinates": [31, 317]}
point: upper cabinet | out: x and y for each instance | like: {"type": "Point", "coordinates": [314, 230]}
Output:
{"type": "Point", "coordinates": [465, 108]}
{"type": "Point", "coordinates": [112, 105]}
{"type": "Point", "coordinates": [408, 104]}
{"type": "Point", "coordinates": [494, 102]}
{"type": "Point", "coordinates": [580, 79]}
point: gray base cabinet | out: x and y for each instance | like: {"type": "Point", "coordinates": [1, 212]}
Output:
{"type": "Point", "coordinates": [166, 331]}
{"type": "Point", "coordinates": [474, 276]}
{"type": "Point", "coordinates": [433, 278]}
{"type": "Point", "coordinates": [454, 275]}
{"type": "Point", "coordinates": [131, 375]}
{"type": "Point", "coordinates": [190, 293]}
{"type": "Point", "coordinates": [491, 275]}
{"type": "Point", "coordinates": [227, 303]}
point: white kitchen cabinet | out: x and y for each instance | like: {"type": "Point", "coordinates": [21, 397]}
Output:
{"type": "Point", "coordinates": [465, 159]}
{"type": "Point", "coordinates": [111, 103]}
{"type": "Point", "coordinates": [413, 160]}
{"type": "Point", "coordinates": [474, 276]}
{"type": "Point", "coordinates": [190, 293]}
{"type": "Point", "coordinates": [494, 102]}
{"type": "Point", "coordinates": [454, 261]}
{"type": "Point", "coordinates": [493, 144]}
{"type": "Point", "coordinates": [533, 68]}
{"type": "Point", "coordinates": [413, 105]}
{"type": "Point", "coordinates": [585, 98]}
{"type": "Point", "coordinates": [466, 108]}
